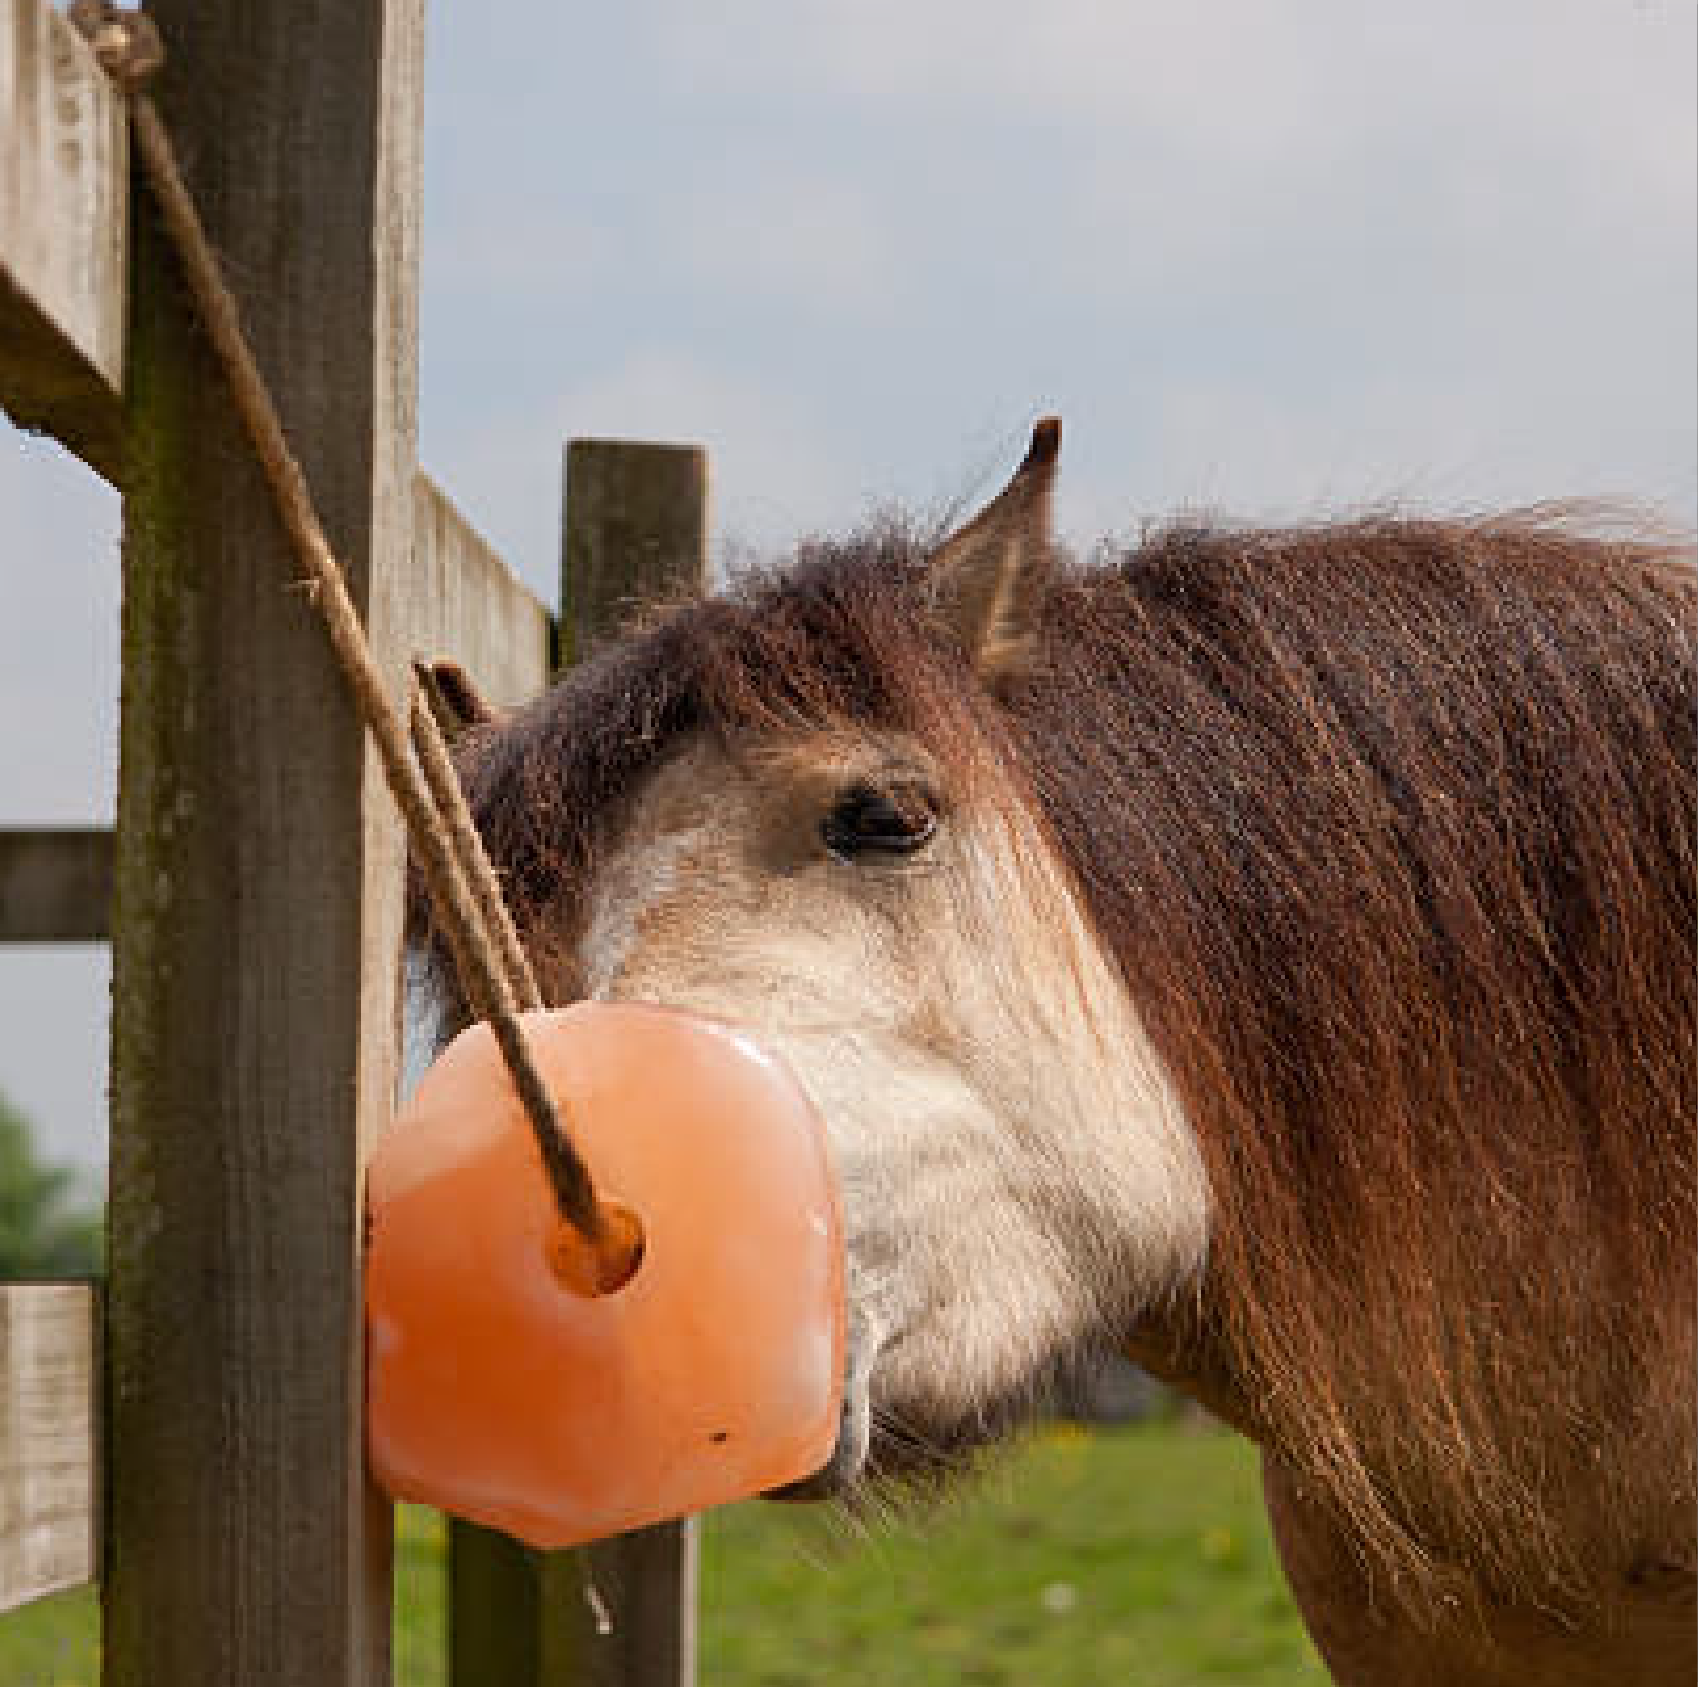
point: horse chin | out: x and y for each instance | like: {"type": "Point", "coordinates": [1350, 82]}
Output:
{"type": "Point", "coordinates": [839, 1474]}
{"type": "Point", "coordinates": [908, 1451]}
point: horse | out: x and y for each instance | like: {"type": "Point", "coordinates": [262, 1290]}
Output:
{"type": "Point", "coordinates": [1266, 952]}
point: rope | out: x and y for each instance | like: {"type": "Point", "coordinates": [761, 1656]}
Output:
{"type": "Point", "coordinates": [432, 750]}
{"type": "Point", "coordinates": [463, 889]}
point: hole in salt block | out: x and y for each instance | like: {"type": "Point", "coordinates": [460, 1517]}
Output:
{"type": "Point", "coordinates": [604, 1268]}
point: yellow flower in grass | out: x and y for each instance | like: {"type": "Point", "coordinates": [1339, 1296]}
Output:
{"type": "Point", "coordinates": [1218, 1544]}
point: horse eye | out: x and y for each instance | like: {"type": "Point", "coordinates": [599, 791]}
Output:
{"type": "Point", "coordinates": [868, 821]}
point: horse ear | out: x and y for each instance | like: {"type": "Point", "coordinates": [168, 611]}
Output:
{"type": "Point", "coordinates": [987, 578]}
{"type": "Point", "coordinates": [453, 698]}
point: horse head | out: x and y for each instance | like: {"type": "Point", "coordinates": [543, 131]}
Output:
{"type": "Point", "coordinates": [799, 811]}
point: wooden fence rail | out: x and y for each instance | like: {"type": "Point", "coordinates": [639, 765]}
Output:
{"type": "Point", "coordinates": [49, 1459]}
{"type": "Point", "coordinates": [464, 603]}
{"type": "Point", "coordinates": [63, 226]}
{"type": "Point", "coordinates": [55, 885]}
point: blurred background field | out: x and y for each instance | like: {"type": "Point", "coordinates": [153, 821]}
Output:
{"type": "Point", "coordinates": [1137, 1555]}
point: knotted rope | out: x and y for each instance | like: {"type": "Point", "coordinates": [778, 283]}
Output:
{"type": "Point", "coordinates": [465, 893]}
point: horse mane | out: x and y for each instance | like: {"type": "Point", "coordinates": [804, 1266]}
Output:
{"type": "Point", "coordinates": [1388, 825]}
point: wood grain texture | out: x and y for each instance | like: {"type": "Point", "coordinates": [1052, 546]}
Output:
{"type": "Point", "coordinates": [635, 527]}
{"type": "Point", "coordinates": [257, 913]}
{"type": "Point", "coordinates": [468, 606]}
{"type": "Point", "coordinates": [650, 1580]}
{"type": "Point", "coordinates": [49, 1491]}
{"type": "Point", "coordinates": [499, 1621]}
{"type": "Point", "coordinates": [55, 885]}
{"type": "Point", "coordinates": [63, 193]}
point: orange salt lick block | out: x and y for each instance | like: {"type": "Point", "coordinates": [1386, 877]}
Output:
{"type": "Point", "coordinates": [501, 1392]}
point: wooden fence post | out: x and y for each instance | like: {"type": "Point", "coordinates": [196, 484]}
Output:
{"type": "Point", "coordinates": [635, 526]}
{"type": "Point", "coordinates": [259, 865]}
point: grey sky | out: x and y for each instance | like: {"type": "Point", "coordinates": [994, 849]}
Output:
{"type": "Point", "coordinates": [1270, 258]}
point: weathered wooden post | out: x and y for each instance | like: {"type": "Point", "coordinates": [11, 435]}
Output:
{"type": "Point", "coordinates": [635, 525]}
{"type": "Point", "coordinates": [634, 528]}
{"type": "Point", "coordinates": [258, 871]}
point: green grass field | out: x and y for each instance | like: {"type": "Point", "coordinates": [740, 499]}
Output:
{"type": "Point", "coordinates": [1136, 1556]}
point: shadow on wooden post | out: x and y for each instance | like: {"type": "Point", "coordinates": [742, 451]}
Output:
{"type": "Point", "coordinates": [635, 528]}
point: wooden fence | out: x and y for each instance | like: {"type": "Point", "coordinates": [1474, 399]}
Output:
{"type": "Point", "coordinates": [193, 1437]}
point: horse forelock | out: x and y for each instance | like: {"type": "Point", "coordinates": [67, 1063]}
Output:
{"type": "Point", "coordinates": [1388, 827]}
{"type": "Point", "coordinates": [834, 641]}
